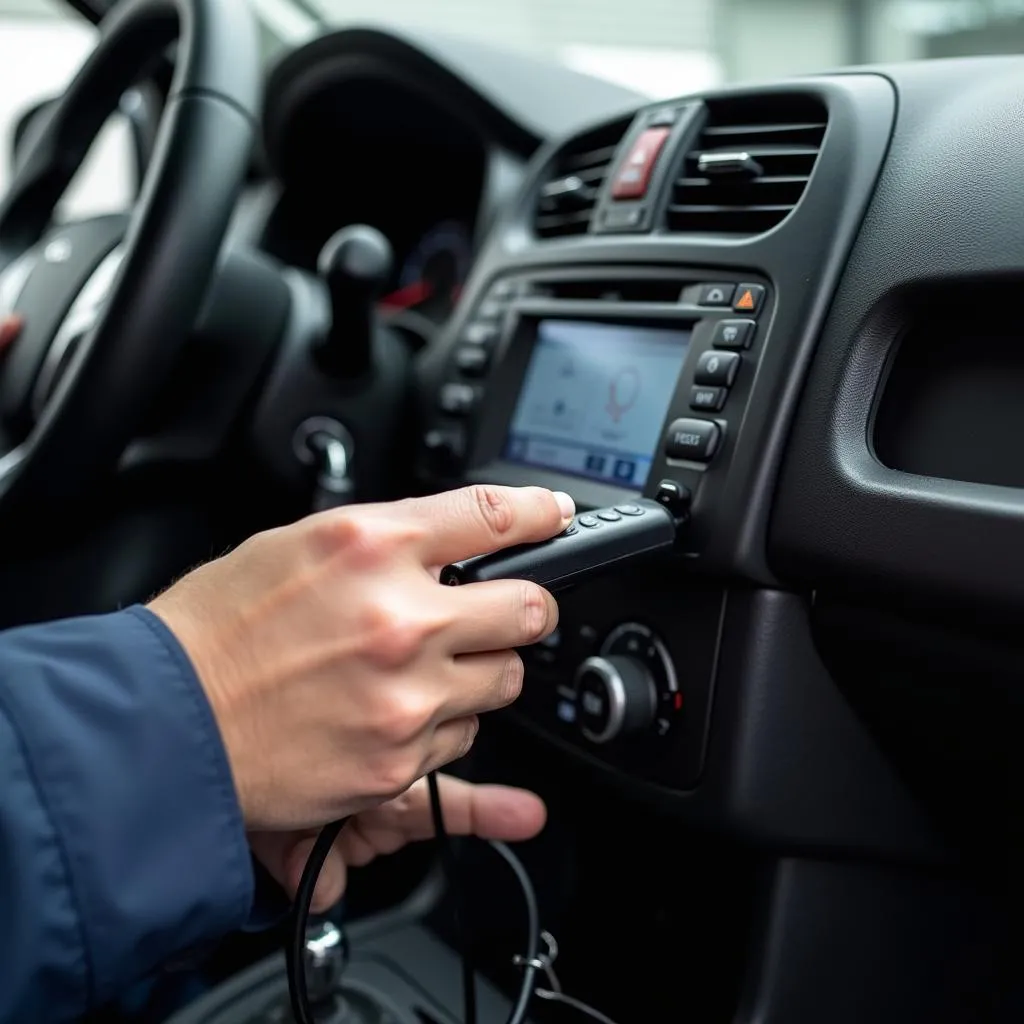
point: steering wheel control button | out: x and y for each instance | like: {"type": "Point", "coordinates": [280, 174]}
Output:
{"type": "Point", "coordinates": [458, 399]}
{"type": "Point", "coordinates": [717, 369]}
{"type": "Point", "coordinates": [589, 521]}
{"type": "Point", "coordinates": [693, 440]}
{"type": "Point", "coordinates": [748, 299]}
{"type": "Point", "coordinates": [480, 333]}
{"type": "Point", "coordinates": [609, 515]}
{"type": "Point", "coordinates": [634, 175]}
{"type": "Point", "coordinates": [736, 334]}
{"type": "Point", "coordinates": [674, 496]}
{"type": "Point", "coordinates": [705, 399]}
{"type": "Point", "coordinates": [716, 294]}
{"type": "Point", "coordinates": [571, 530]}
{"type": "Point", "coordinates": [629, 510]}
{"type": "Point", "coordinates": [472, 360]}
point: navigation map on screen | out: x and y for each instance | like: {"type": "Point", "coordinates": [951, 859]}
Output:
{"type": "Point", "coordinates": [595, 398]}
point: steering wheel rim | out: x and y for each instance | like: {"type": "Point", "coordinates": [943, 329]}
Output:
{"type": "Point", "coordinates": [170, 248]}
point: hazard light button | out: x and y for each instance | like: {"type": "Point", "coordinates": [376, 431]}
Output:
{"type": "Point", "coordinates": [748, 299]}
{"type": "Point", "coordinates": [634, 175]}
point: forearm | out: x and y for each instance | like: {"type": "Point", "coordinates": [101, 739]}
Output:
{"type": "Point", "coordinates": [121, 841]}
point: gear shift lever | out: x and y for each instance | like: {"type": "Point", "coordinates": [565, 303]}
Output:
{"type": "Point", "coordinates": [355, 264]}
{"type": "Point", "coordinates": [326, 958]}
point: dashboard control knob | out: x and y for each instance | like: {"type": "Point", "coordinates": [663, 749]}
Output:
{"type": "Point", "coordinates": [616, 697]}
{"type": "Point", "coordinates": [355, 264]}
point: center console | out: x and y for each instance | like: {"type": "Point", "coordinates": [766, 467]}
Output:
{"type": "Point", "coordinates": [612, 385]}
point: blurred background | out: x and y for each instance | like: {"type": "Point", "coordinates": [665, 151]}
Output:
{"type": "Point", "coordinates": [660, 48]}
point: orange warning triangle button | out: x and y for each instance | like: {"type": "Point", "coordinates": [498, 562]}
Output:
{"type": "Point", "coordinates": [746, 301]}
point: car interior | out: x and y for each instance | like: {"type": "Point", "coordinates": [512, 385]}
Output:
{"type": "Point", "coordinates": [780, 752]}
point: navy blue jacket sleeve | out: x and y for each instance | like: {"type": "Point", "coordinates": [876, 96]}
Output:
{"type": "Point", "coordinates": [121, 840]}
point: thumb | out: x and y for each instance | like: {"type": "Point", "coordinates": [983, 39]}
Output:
{"type": "Point", "coordinates": [284, 855]}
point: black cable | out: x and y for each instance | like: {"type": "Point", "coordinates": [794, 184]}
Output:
{"type": "Point", "coordinates": [451, 874]}
{"type": "Point", "coordinates": [295, 950]}
{"type": "Point", "coordinates": [529, 960]}
{"type": "Point", "coordinates": [296, 946]}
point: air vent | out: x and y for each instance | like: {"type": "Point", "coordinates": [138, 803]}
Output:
{"type": "Point", "coordinates": [573, 182]}
{"type": "Point", "coordinates": [750, 166]}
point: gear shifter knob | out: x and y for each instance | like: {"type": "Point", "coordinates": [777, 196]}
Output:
{"type": "Point", "coordinates": [326, 957]}
{"type": "Point", "coordinates": [355, 264]}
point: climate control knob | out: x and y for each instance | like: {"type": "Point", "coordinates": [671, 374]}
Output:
{"type": "Point", "coordinates": [616, 697]}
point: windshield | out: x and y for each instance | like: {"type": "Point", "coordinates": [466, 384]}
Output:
{"type": "Point", "coordinates": [668, 47]}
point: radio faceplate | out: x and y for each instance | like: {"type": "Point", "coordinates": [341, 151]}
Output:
{"type": "Point", "coordinates": [658, 366]}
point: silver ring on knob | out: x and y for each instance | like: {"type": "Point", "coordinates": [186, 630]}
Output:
{"type": "Point", "coordinates": [616, 698]}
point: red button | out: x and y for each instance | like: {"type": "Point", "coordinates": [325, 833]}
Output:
{"type": "Point", "coordinates": [635, 174]}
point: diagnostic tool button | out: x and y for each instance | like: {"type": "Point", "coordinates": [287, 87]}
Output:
{"type": "Point", "coordinates": [693, 440]}
{"type": "Point", "coordinates": [717, 369]}
{"type": "Point", "coordinates": [733, 334]}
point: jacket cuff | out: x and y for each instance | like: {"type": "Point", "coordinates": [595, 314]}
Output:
{"type": "Point", "coordinates": [131, 767]}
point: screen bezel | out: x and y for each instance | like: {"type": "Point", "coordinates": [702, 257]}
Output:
{"type": "Point", "coordinates": [512, 361]}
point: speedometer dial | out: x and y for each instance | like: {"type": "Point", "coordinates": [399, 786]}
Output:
{"type": "Point", "coordinates": [433, 272]}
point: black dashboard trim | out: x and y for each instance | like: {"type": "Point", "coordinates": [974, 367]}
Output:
{"type": "Point", "coordinates": [802, 261]}
{"type": "Point", "coordinates": [947, 211]}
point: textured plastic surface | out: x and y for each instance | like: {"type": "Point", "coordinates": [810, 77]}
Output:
{"type": "Point", "coordinates": [944, 213]}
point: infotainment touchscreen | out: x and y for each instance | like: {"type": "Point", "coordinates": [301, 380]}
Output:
{"type": "Point", "coordinates": [594, 399]}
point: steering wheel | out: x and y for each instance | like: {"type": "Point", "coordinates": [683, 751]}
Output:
{"type": "Point", "coordinates": [107, 303]}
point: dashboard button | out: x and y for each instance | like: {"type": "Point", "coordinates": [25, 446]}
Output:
{"type": "Point", "coordinates": [491, 309]}
{"type": "Point", "coordinates": [457, 399]}
{"type": "Point", "coordinates": [733, 334]}
{"type": "Point", "coordinates": [748, 298]}
{"type": "Point", "coordinates": [472, 360]}
{"type": "Point", "coordinates": [676, 497]}
{"type": "Point", "coordinates": [504, 289]}
{"type": "Point", "coordinates": [444, 448]}
{"type": "Point", "coordinates": [717, 369]}
{"type": "Point", "coordinates": [708, 399]}
{"type": "Point", "coordinates": [629, 510]}
{"type": "Point", "coordinates": [695, 440]}
{"type": "Point", "coordinates": [716, 294]}
{"type": "Point", "coordinates": [480, 333]}
{"type": "Point", "coordinates": [624, 218]}
{"type": "Point", "coordinates": [634, 175]}
{"type": "Point", "coordinates": [609, 515]}
{"type": "Point", "coordinates": [589, 521]}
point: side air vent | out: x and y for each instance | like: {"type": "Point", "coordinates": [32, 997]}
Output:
{"type": "Point", "coordinates": [750, 165]}
{"type": "Point", "coordinates": [572, 184]}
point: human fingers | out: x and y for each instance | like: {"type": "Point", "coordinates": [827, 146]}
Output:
{"type": "Point", "coordinates": [484, 518]}
{"type": "Point", "coordinates": [498, 615]}
{"type": "Point", "coordinates": [490, 812]}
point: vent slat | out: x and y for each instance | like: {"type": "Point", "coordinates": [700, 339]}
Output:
{"type": "Point", "coordinates": [713, 131]}
{"type": "Point", "coordinates": [571, 188]}
{"type": "Point", "coordinates": [782, 135]}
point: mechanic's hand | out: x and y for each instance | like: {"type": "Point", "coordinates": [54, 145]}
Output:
{"type": "Point", "coordinates": [338, 668]}
{"type": "Point", "coordinates": [490, 812]}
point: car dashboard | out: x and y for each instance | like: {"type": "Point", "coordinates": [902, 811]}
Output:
{"type": "Point", "coordinates": [789, 306]}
